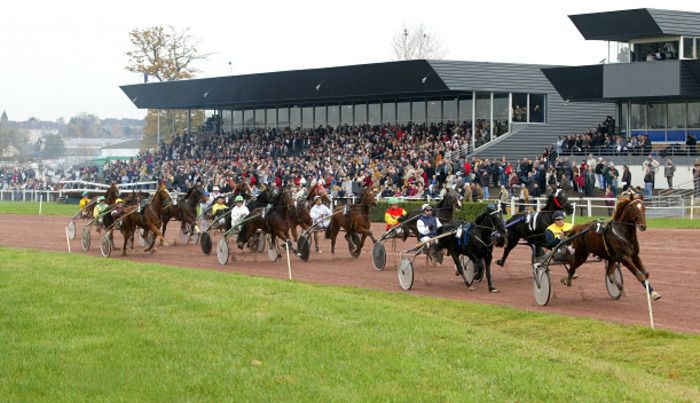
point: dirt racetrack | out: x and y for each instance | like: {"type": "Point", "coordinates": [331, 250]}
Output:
{"type": "Point", "coordinates": [670, 256]}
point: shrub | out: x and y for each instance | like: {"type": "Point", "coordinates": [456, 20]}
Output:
{"type": "Point", "coordinates": [468, 212]}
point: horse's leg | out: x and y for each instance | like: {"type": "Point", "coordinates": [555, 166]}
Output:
{"type": "Point", "coordinates": [510, 244]}
{"type": "Point", "coordinates": [487, 267]}
{"type": "Point", "coordinates": [158, 235]}
{"type": "Point", "coordinates": [125, 234]}
{"type": "Point", "coordinates": [580, 257]}
{"type": "Point", "coordinates": [634, 264]}
{"type": "Point", "coordinates": [293, 228]}
{"type": "Point", "coordinates": [334, 229]}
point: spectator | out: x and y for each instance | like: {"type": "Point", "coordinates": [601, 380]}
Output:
{"type": "Point", "coordinates": [669, 170]}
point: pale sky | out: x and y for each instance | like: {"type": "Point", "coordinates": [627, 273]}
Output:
{"type": "Point", "coordinates": [59, 59]}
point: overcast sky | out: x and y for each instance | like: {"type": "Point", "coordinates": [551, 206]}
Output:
{"type": "Point", "coordinates": [62, 58]}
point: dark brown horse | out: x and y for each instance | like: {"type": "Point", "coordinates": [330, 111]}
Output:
{"type": "Point", "coordinates": [444, 211]}
{"type": "Point", "coordinates": [272, 221]}
{"type": "Point", "coordinates": [353, 219]}
{"type": "Point", "coordinates": [185, 211]}
{"type": "Point", "coordinates": [243, 189]}
{"type": "Point", "coordinates": [149, 219]}
{"type": "Point", "coordinates": [317, 190]}
{"type": "Point", "coordinates": [299, 216]}
{"type": "Point", "coordinates": [615, 242]}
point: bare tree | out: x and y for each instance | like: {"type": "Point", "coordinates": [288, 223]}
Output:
{"type": "Point", "coordinates": [164, 53]}
{"type": "Point", "coordinates": [417, 43]}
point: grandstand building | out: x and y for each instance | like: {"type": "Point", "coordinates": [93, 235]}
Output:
{"type": "Point", "coordinates": [652, 74]}
{"type": "Point", "coordinates": [512, 108]}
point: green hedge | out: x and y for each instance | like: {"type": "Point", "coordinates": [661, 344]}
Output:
{"type": "Point", "coordinates": [468, 212]}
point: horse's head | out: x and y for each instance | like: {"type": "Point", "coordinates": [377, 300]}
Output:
{"type": "Point", "coordinates": [631, 212]}
{"type": "Point", "coordinates": [453, 200]}
{"type": "Point", "coordinates": [559, 201]}
{"type": "Point", "coordinates": [112, 193]}
{"type": "Point", "coordinates": [163, 197]}
{"type": "Point", "coordinates": [493, 220]}
{"type": "Point", "coordinates": [368, 198]}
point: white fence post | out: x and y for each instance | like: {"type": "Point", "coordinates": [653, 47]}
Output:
{"type": "Point", "coordinates": [692, 205]}
{"type": "Point", "coordinates": [573, 215]}
{"type": "Point", "coordinates": [589, 206]}
{"type": "Point", "coordinates": [538, 204]}
{"type": "Point", "coordinates": [512, 205]}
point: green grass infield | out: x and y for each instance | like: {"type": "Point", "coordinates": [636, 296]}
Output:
{"type": "Point", "coordinates": [78, 328]}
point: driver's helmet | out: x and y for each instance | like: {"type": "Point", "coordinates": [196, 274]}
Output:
{"type": "Point", "coordinates": [557, 215]}
{"type": "Point", "coordinates": [119, 201]}
{"type": "Point", "coordinates": [393, 200]}
{"type": "Point", "coordinates": [490, 208]}
{"type": "Point", "coordinates": [85, 194]}
{"type": "Point", "coordinates": [238, 198]}
{"type": "Point", "coordinates": [100, 199]}
{"type": "Point", "coordinates": [426, 206]}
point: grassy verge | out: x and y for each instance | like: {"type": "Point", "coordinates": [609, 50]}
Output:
{"type": "Point", "coordinates": [32, 208]}
{"type": "Point", "coordinates": [81, 328]}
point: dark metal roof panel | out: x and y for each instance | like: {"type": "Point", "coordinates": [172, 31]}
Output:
{"type": "Point", "coordinates": [577, 83]}
{"type": "Point", "coordinates": [676, 22]}
{"type": "Point", "coordinates": [315, 85]}
{"type": "Point", "coordinates": [617, 25]}
{"type": "Point", "coordinates": [483, 76]}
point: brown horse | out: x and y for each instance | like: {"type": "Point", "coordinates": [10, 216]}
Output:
{"type": "Point", "coordinates": [243, 189]}
{"type": "Point", "coordinates": [615, 242]}
{"type": "Point", "coordinates": [149, 219]}
{"type": "Point", "coordinates": [299, 216]}
{"type": "Point", "coordinates": [185, 211]}
{"type": "Point", "coordinates": [317, 190]}
{"type": "Point", "coordinates": [354, 219]}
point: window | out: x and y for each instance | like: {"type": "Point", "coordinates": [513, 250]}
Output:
{"type": "Point", "coordinates": [374, 114]}
{"type": "Point", "coordinates": [283, 117]}
{"type": "Point", "coordinates": [638, 116]}
{"type": "Point", "coordinates": [260, 118]}
{"type": "Point", "coordinates": [271, 118]}
{"type": "Point", "coordinates": [346, 115]}
{"type": "Point", "coordinates": [418, 112]}
{"type": "Point", "coordinates": [449, 110]}
{"type": "Point", "coordinates": [687, 48]}
{"type": "Point", "coordinates": [622, 120]}
{"type": "Point", "coordinates": [307, 117]}
{"type": "Point", "coordinates": [320, 116]}
{"type": "Point", "coordinates": [500, 114]}
{"type": "Point", "coordinates": [656, 115]}
{"type": "Point", "coordinates": [519, 108]}
{"type": "Point", "coordinates": [403, 112]}
{"type": "Point", "coordinates": [333, 115]}
{"type": "Point", "coordinates": [434, 111]}
{"type": "Point", "coordinates": [676, 115]}
{"type": "Point", "coordinates": [389, 112]}
{"type": "Point", "coordinates": [238, 119]}
{"type": "Point", "coordinates": [226, 120]}
{"type": "Point", "coordinates": [360, 114]}
{"type": "Point", "coordinates": [694, 115]}
{"type": "Point", "coordinates": [248, 118]}
{"type": "Point", "coordinates": [537, 108]}
{"type": "Point", "coordinates": [465, 109]}
{"type": "Point", "coordinates": [482, 132]}
{"type": "Point", "coordinates": [295, 117]}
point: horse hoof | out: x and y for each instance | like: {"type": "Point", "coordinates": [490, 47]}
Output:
{"type": "Point", "coordinates": [494, 290]}
{"type": "Point", "coordinates": [566, 281]}
{"type": "Point", "coordinates": [456, 274]}
{"type": "Point", "coordinates": [575, 276]}
{"type": "Point", "coordinates": [471, 288]}
{"type": "Point", "coordinates": [499, 262]}
{"type": "Point", "coordinates": [655, 296]}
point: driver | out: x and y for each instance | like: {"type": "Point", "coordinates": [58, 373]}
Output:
{"type": "Point", "coordinates": [393, 213]}
{"type": "Point", "coordinates": [239, 211]}
{"type": "Point", "coordinates": [318, 212]}
{"type": "Point", "coordinates": [428, 225]}
{"type": "Point", "coordinates": [555, 233]}
{"type": "Point", "coordinates": [84, 213]}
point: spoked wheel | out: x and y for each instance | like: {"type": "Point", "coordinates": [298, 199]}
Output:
{"type": "Point", "coordinates": [304, 248]}
{"type": "Point", "coordinates": [85, 239]}
{"type": "Point", "coordinates": [467, 269]}
{"type": "Point", "coordinates": [354, 245]}
{"type": "Point", "coordinates": [378, 256]}
{"type": "Point", "coordinates": [273, 251]}
{"type": "Point", "coordinates": [71, 230]}
{"type": "Point", "coordinates": [106, 245]}
{"type": "Point", "coordinates": [614, 282]}
{"type": "Point", "coordinates": [541, 283]}
{"type": "Point", "coordinates": [405, 272]}
{"type": "Point", "coordinates": [261, 242]}
{"type": "Point", "coordinates": [222, 251]}
{"type": "Point", "coordinates": [205, 243]}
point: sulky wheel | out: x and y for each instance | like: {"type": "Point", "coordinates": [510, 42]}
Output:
{"type": "Point", "coordinates": [261, 242]}
{"type": "Point", "coordinates": [273, 250]}
{"type": "Point", "coordinates": [614, 282]}
{"type": "Point", "coordinates": [468, 270]}
{"type": "Point", "coordinates": [405, 272]}
{"type": "Point", "coordinates": [304, 248]}
{"type": "Point", "coordinates": [71, 230]}
{"type": "Point", "coordinates": [85, 239]}
{"type": "Point", "coordinates": [222, 251]}
{"type": "Point", "coordinates": [541, 283]}
{"type": "Point", "coordinates": [378, 256]}
{"type": "Point", "coordinates": [106, 245]}
{"type": "Point", "coordinates": [205, 243]}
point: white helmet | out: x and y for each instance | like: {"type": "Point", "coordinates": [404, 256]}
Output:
{"type": "Point", "coordinates": [425, 206]}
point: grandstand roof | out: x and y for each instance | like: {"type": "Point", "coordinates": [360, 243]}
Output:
{"type": "Point", "coordinates": [638, 23]}
{"type": "Point", "coordinates": [346, 83]}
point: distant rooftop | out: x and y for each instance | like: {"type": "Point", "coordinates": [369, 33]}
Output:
{"type": "Point", "coordinates": [625, 25]}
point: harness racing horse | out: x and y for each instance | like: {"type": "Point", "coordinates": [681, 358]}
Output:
{"type": "Point", "coordinates": [615, 242]}
{"type": "Point", "coordinates": [355, 219]}
{"type": "Point", "coordinates": [531, 226]}
{"type": "Point", "coordinates": [317, 190]}
{"type": "Point", "coordinates": [272, 220]}
{"type": "Point", "coordinates": [149, 219]}
{"type": "Point", "coordinates": [243, 189]}
{"type": "Point", "coordinates": [299, 216]}
{"type": "Point", "coordinates": [476, 241]}
{"type": "Point", "coordinates": [185, 211]}
{"type": "Point", "coordinates": [444, 211]}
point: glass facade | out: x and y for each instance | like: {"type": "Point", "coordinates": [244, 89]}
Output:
{"type": "Point", "coordinates": [320, 116]}
{"type": "Point", "coordinates": [346, 117]}
{"type": "Point", "coordinates": [537, 108]}
{"type": "Point", "coordinates": [501, 110]}
{"type": "Point", "coordinates": [333, 117]}
{"type": "Point", "coordinates": [360, 114]}
{"type": "Point", "coordinates": [248, 118]}
{"type": "Point", "coordinates": [465, 109]}
{"type": "Point", "coordinates": [374, 114]}
{"type": "Point", "coordinates": [434, 111]}
{"type": "Point", "coordinates": [388, 112]}
{"type": "Point", "coordinates": [227, 120]}
{"type": "Point", "coordinates": [449, 110]}
{"type": "Point", "coordinates": [283, 117]}
{"type": "Point", "coordinates": [238, 119]}
{"type": "Point", "coordinates": [482, 133]}
{"type": "Point", "coordinates": [307, 117]}
{"type": "Point", "coordinates": [295, 117]}
{"type": "Point", "coordinates": [271, 118]}
{"type": "Point", "coordinates": [403, 112]}
{"type": "Point", "coordinates": [519, 106]}
{"type": "Point", "coordinates": [418, 112]}
{"type": "Point", "coordinates": [669, 122]}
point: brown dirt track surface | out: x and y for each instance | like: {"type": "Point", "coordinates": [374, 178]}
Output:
{"type": "Point", "coordinates": [669, 255]}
